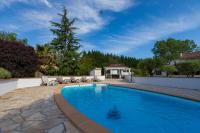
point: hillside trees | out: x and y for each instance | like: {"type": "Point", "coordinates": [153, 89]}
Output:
{"type": "Point", "coordinates": [92, 59]}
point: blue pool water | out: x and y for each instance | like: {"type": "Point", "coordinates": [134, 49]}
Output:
{"type": "Point", "coordinates": [140, 111]}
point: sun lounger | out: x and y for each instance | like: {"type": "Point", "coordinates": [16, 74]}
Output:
{"type": "Point", "coordinates": [86, 79]}
{"type": "Point", "coordinates": [63, 80]}
{"type": "Point", "coordinates": [47, 82]}
{"type": "Point", "coordinates": [75, 80]}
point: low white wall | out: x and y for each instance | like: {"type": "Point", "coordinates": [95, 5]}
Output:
{"type": "Point", "coordinates": [100, 77]}
{"type": "Point", "coordinates": [7, 86]}
{"type": "Point", "coordinates": [188, 83]}
{"type": "Point", "coordinates": [52, 78]}
{"type": "Point", "coordinates": [30, 82]}
{"type": "Point", "coordinates": [89, 77]}
{"type": "Point", "coordinates": [12, 84]}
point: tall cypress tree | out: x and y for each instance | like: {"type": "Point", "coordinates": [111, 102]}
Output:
{"type": "Point", "coordinates": [66, 44]}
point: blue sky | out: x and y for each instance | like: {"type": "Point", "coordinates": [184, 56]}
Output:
{"type": "Point", "coordinates": [128, 27]}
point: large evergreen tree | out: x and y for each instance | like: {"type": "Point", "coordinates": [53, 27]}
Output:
{"type": "Point", "coordinates": [66, 45]}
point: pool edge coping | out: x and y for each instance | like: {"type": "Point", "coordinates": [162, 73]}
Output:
{"type": "Point", "coordinates": [80, 121]}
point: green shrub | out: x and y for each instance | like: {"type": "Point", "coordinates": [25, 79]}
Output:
{"type": "Point", "coordinates": [188, 68]}
{"type": "Point", "coordinates": [4, 73]}
{"type": "Point", "coordinates": [169, 69]}
{"type": "Point", "coordinates": [138, 72]}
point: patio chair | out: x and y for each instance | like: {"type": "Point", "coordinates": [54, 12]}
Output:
{"type": "Point", "coordinates": [66, 81]}
{"type": "Point", "coordinates": [63, 81]}
{"type": "Point", "coordinates": [59, 79]}
{"type": "Point", "coordinates": [85, 79]}
{"type": "Point", "coordinates": [74, 80]}
{"type": "Point", "coordinates": [45, 81]}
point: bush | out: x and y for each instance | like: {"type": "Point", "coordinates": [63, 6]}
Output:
{"type": "Point", "coordinates": [150, 65]}
{"type": "Point", "coordinates": [18, 58]}
{"type": "Point", "coordinates": [169, 69]}
{"type": "Point", "coordinates": [188, 68]}
{"type": "Point", "coordinates": [138, 72]}
{"type": "Point", "coordinates": [4, 73]}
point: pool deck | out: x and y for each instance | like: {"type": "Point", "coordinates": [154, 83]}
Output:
{"type": "Point", "coordinates": [190, 94]}
{"type": "Point", "coordinates": [34, 110]}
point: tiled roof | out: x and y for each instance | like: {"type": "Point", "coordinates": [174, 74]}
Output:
{"type": "Point", "coordinates": [116, 65]}
{"type": "Point", "coordinates": [192, 55]}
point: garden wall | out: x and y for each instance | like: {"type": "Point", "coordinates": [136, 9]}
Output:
{"type": "Point", "coordinates": [12, 84]}
{"type": "Point", "coordinates": [101, 77]}
{"type": "Point", "coordinates": [23, 83]}
{"type": "Point", "coordinates": [187, 83]}
{"type": "Point", "coordinates": [7, 85]}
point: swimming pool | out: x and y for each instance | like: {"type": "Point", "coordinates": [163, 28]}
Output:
{"type": "Point", "coordinates": [124, 110]}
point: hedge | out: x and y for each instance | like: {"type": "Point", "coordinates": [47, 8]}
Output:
{"type": "Point", "coordinates": [4, 74]}
{"type": "Point", "coordinates": [21, 60]}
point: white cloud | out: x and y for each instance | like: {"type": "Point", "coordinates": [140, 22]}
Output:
{"type": "Point", "coordinates": [88, 18]}
{"type": "Point", "coordinates": [89, 12]}
{"type": "Point", "coordinates": [6, 3]}
{"type": "Point", "coordinates": [114, 5]}
{"type": "Point", "coordinates": [155, 30]}
{"type": "Point", "coordinates": [27, 21]}
{"type": "Point", "coordinates": [46, 2]}
{"type": "Point", "coordinates": [9, 27]}
{"type": "Point", "coordinates": [37, 19]}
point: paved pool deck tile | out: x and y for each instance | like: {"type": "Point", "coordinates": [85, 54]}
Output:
{"type": "Point", "coordinates": [32, 110]}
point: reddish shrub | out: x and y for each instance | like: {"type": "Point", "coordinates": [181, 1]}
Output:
{"type": "Point", "coordinates": [21, 60]}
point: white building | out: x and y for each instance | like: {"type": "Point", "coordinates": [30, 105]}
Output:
{"type": "Point", "coordinates": [185, 57]}
{"type": "Point", "coordinates": [95, 72]}
{"type": "Point", "coordinates": [116, 71]}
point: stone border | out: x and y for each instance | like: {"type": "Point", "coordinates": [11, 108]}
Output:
{"type": "Point", "coordinates": [79, 120]}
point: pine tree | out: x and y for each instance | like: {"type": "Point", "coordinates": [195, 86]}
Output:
{"type": "Point", "coordinates": [66, 45]}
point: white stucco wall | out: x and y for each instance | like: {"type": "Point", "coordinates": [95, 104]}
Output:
{"type": "Point", "coordinates": [188, 83]}
{"type": "Point", "coordinates": [95, 72]}
{"type": "Point", "coordinates": [7, 86]}
{"type": "Point", "coordinates": [29, 82]}
{"type": "Point", "coordinates": [100, 77]}
{"type": "Point", "coordinates": [12, 84]}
